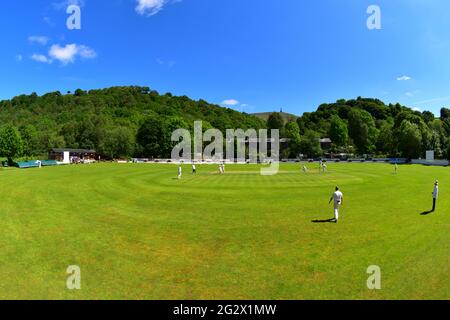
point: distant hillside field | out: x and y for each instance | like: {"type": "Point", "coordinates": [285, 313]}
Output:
{"type": "Point", "coordinates": [287, 117]}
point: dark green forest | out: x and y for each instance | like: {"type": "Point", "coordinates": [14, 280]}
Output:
{"type": "Point", "coordinates": [123, 122]}
{"type": "Point", "coordinates": [118, 122]}
{"type": "Point", "coordinates": [369, 126]}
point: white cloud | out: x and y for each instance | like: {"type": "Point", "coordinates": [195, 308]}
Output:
{"type": "Point", "coordinates": [68, 53]}
{"type": "Point", "coordinates": [417, 109]}
{"type": "Point", "coordinates": [41, 58]}
{"type": "Point", "coordinates": [62, 5]}
{"type": "Point", "coordinates": [86, 52]}
{"type": "Point", "coordinates": [404, 78]}
{"type": "Point", "coordinates": [230, 102]}
{"type": "Point", "coordinates": [42, 40]}
{"type": "Point", "coordinates": [19, 57]}
{"type": "Point", "coordinates": [64, 54]}
{"type": "Point", "coordinates": [170, 63]}
{"type": "Point", "coordinates": [409, 94]}
{"type": "Point", "coordinates": [151, 7]}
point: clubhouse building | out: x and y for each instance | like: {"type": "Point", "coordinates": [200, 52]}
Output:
{"type": "Point", "coordinates": [69, 156]}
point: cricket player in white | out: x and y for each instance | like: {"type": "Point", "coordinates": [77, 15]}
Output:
{"type": "Point", "coordinates": [180, 172]}
{"type": "Point", "coordinates": [435, 195]}
{"type": "Point", "coordinates": [194, 168]}
{"type": "Point", "coordinates": [338, 199]}
{"type": "Point", "coordinates": [222, 168]}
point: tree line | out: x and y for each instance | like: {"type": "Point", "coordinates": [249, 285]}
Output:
{"type": "Point", "coordinates": [117, 122]}
{"type": "Point", "coordinates": [124, 122]}
{"type": "Point", "coordinates": [366, 126]}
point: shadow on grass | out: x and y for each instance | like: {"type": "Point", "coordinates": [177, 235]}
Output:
{"type": "Point", "coordinates": [324, 221]}
{"type": "Point", "coordinates": [426, 213]}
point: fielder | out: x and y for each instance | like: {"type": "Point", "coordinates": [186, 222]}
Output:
{"type": "Point", "coordinates": [305, 169]}
{"type": "Point", "coordinates": [338, 199]}
{"type": "Point", "coordinates": [435, 195]}
{"type": "Point", "coordinates": [180, 172]}
{"type": "Point", "coordinates": [194, 168]}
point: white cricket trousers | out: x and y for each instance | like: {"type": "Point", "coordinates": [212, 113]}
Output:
{"type": "Point", "coordinates": [336, 213]}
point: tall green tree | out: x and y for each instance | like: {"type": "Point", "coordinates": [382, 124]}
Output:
{"type": "Point", "coordinates": [152, 138]}
{"type": "Point", "coordinates": [275, 121]}
{"type": "Point", "coordinates": [30, 140]}
{"type": "Point", "coordinates": [385, 141]}
{"type": "Point", "coordinates": [362, 130]}
{"type": "Point", "coordinates": [428, 116]}
{"type": "Point", "coordinates": [310, 144]}
{"type": "Point", "coordinates": [292, 132]}
{"type": "Point", "coordinates": [119, 142]}
{"type": "Point", "coordinates": [338, 131]}
{"type": "Point", "coordinates": [409, 139]}
{"type": "Point", "coordinates": [11, 145]}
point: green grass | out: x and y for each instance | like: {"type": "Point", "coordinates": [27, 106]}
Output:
{"type": "Point", "coordinates": [139, 233]}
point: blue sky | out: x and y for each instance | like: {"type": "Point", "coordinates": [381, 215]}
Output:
{"type": "Point", "coordinates": [255, 55]}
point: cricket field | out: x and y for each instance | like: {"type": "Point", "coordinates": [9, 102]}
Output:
{"type": "Point", "coordinates": [137, 232]}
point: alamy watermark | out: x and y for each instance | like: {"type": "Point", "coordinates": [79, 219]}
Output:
{"type": "Point", "coordinates": [374, 20]}
{"type": "Point", "coordinates": [74, 20]}
{"type": "Point", "coordinates": [374, 280]}
{"type": "Point", "coordinates": [74, 279]}
{"type": "Point", "coordinates": [247, 146]}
